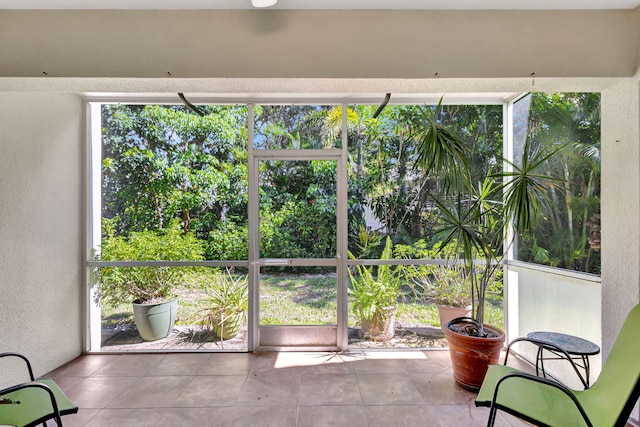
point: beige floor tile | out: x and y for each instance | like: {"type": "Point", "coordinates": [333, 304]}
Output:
{"type": "Point", "coordinates": [327, 389]}
{"type": "Point", "coordinates": [380, 366]}
{"type": "Point", "coordinates": [207, 391]}
{"type": "Point", "coordinates": [441, 389]}
{"type": "Point", "coordinates": [388, 389]}
{"type": "Point", "coordinates": [276, 362]}
{"type": "Point", "coordinates": [403, 415]}
{"type": "Point", "coordinates": [81, 419]}
{"type": "Point", "coordinates": [98, 392]}
{"type": "Point", "coordinates": [323, 358]}
{"type": "Point", "coordinates": [329, 363]}
{"type": "Point", "coordinates": [323, 416]}
{"type": "Point", "coordinates": [280, 388]}
{"type": "Point", "coordinates": [152, 392]}
{"type": "Point", "coordinates": [228, 364]}
{"type": "Point", "coordinates": [180, 364]}
{"type": "Point", "coordinates": [435, 362]}
{"type": "Point", "coordinates": [130, 365]}
{"type": "Point", "coordinates": [83, 366]}
{"type": "Point", "coordinates": [274, 416]}
{"type": "Point", "coordinates": [464, 415]}
{"type": "Point", "coordinates": [67, 383]}
{"type": "Point", "coordinates": [192, 417]}
{"type": "Point", "coordinates": [363, 388]}
{"type": "Point", "coordinates": [351, 356]}
{"type": "Point", "coordinates": [293, 359]}
{"type": "Point", "coordinates": [395, 355]}
{"type": "Point", "coordinates": [332, 368]}
{"type": "Point", "coordinates": [196, 417]}
{"type": "Point", "coordinates": [127, 418]}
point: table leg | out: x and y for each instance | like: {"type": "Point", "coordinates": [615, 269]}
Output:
{"type": "Point", "coordinates": [585, 363]}
{"type": "Point", "coordinates": [540, 363]}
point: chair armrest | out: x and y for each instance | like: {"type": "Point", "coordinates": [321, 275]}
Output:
{"type": "Point", "coordinates": [26, 361]}
{"type": "Point", "coordinates": [544, 381]}
{"type": "Point", "coordinates": [52, 398]}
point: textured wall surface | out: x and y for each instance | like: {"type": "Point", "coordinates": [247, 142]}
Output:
{"type": "Point", "coordinates": [317, 44]}
{"type": "Point", "coordinates": [41, 222]}
{"type": "Point", "coordinates": [620, 206]}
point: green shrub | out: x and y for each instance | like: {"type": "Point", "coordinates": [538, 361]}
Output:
{"type": "Point", "coordinates": [145, 284]}
{"type": "Point", "coordinates": [229, 241]}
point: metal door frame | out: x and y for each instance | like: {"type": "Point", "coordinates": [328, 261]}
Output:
{"type": "Point", "coordinates": [293, 337]}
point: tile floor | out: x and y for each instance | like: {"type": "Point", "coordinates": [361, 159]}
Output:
{"type": "Point", "coordinates": [373, 388]}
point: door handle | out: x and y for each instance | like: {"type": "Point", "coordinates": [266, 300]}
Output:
{"type": "Point", "coordinates": [275, 261]}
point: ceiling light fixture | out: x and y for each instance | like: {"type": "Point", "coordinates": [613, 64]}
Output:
{"type": "Point", "coordinates": [263, 3]}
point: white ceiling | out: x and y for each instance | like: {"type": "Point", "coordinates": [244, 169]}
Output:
{"type": "Point", "coordinates": [324, 4]}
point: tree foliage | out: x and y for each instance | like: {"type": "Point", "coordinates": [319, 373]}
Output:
{"type": "Point", "coordinates": [568, 237]}
{"type": "Point", "coordinates": [164, 162]}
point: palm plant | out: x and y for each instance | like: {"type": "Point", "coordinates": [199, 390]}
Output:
{"type": "Point", "coordinates": [440, 150]}
{"type": "Point", "coordinates": [474, 216]}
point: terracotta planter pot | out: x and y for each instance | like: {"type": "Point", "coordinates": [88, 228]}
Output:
{"type": "Point", "coordinates": [448, 313]}
{"type": "Point", "coordinates": [381, 327]}
{"type": "Point", "coordinates": [471, 356]}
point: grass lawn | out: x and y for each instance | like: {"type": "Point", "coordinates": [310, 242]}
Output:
{"type": "Point", "coordinates": [287, 299]}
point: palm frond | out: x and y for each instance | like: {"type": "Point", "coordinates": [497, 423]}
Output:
{"type": "Point", "coordinates": [525, 191]}
{"type": "Point", "coordinates": [440, 149]}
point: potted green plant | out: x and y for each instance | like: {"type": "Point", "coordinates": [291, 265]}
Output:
{"type": "Point", "coordinates": [448, 289]}
{"type": "Point", "coordinates": [375, 297]}
{"type": "Point", "coordinates": [475, 218]}
{"type": "Point", "coordinates": [150, 289]}
{"type": "Point", "coordinates": [227, 303]}
{"type": "Point", "coordinates": [444, 285]}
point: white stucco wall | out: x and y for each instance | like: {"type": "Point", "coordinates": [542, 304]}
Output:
{"type": "Point", "coordinates": [620, 206]}
{"type": "Point", "coordinates": [41, 222]}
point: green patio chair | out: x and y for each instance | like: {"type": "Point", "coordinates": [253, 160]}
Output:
{"type": "Point", "coordinates": [545, 402]}
{"type": "Point", "coordinates": [33, 403]}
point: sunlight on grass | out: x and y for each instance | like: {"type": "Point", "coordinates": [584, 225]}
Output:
{"type": "Point", "coordinates": [287, 299]}
{"type": "Point", "coordinates": [417, 314]}
{"type": "Point", "coordinates": [298, 300]}
{"type": "Point", "coordinates": [494, 315]}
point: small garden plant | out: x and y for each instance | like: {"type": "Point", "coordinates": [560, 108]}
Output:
{"type": "Point", "coordinates": [226, 304]}
{"type": "Point", "coordinates": [145, 284]}
{"type": "Point", "coordinates": [370, 293]}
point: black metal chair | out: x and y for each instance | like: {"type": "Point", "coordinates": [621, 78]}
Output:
{"type": "Point", "coordinates": [34, 402]}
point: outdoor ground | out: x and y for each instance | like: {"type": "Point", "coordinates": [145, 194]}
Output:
{"type": "Point", "coordinates": [284, 299]}
{"type": "Point", "coordinates": [126, 338]}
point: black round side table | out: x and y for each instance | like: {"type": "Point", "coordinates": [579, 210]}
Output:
{"type": "Point", "coordinates": [572, 345]}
